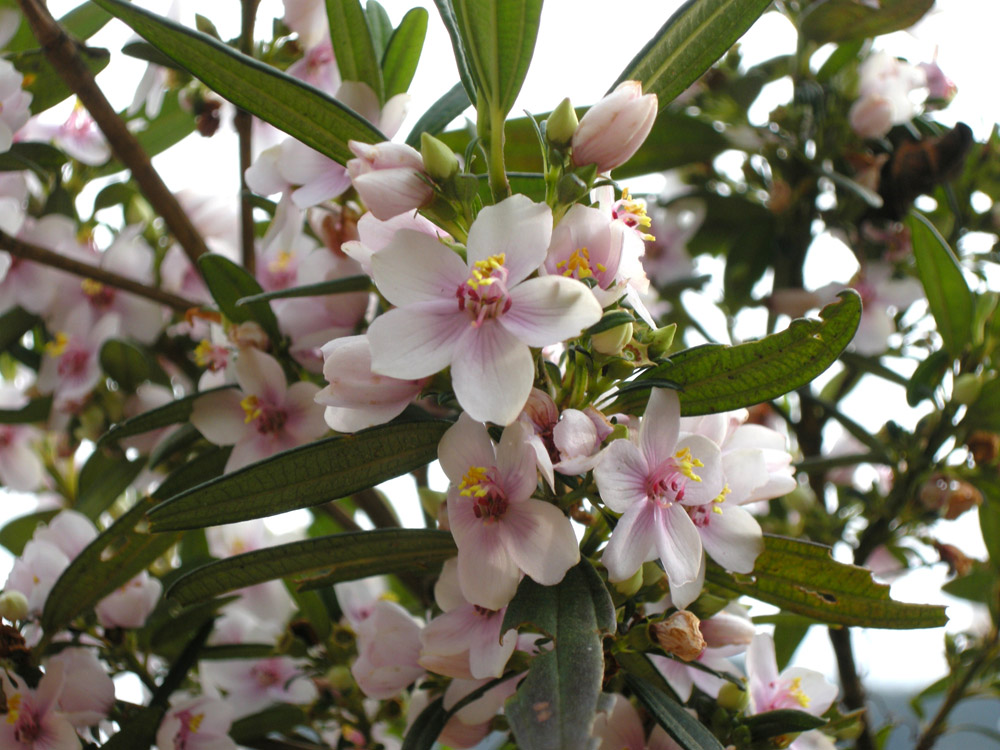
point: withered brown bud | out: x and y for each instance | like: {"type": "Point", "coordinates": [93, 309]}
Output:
{"type": "Point", "coordinates": [958, 562]}
{"type": "Point", "coordinates": [963, 497]}
{"type": "Point", "coordinates": [933, 494]}
{"type": "Point", "coordinates": [949, 496]}
{"type": "Point", "coordinates": [984, 446]}
{"type": "Point", "coordinates": [679, 635]}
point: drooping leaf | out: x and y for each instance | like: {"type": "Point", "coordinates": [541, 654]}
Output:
{"type": "Point", "coordinates": [686, 730]}
{"type": "Point", "coordinates": [783, 721]}
{"type": "Point", "coordinates": [42, 81]}
{"type": "Point", "coordinates": [36, 410]}
{"type": "Point", "coordinates": [281, 717]}
{"type": "Point", "coordinates": [694, 37]}
{"type": "Point", "coordinates": [228, 283]}
{"type": "Point", "coordinates": [129, 365]}
{"type": "Point", "coordinates": [103, 478]}
{"type": "Point", "coordinates": [802, 577]}
{"type": "Point", "coordinates": [423, 733]}
{"type": "Point", "coordinates": [359, 283]}
{"type": "Point", "coordinates": [403, 52]}
{"type": "Point", "coordinates": [554, 705]}
{"type": "Point", "coordinates": [298, 109]}
{"type": "Point", "coordinates": [840, 20]}
{"type": "Point", "coordinates": [318, 562]}
{"type": "Point", "coordinates": [948, 295]}
{"type": "Point", "coordinates": [118, 554]}
{"type": "Point", "coordinates": [715, 378]}
{"type": "Point", "coordinates": [304, 476]}
{"type": "Point", "coordinates": [353, 46]}
{"type": "Point", "coordinates": [162, 416]}
{"type": "Point", "coordinates": [18, 531]}
{"type": "Point", "coordinates": [440, 114]}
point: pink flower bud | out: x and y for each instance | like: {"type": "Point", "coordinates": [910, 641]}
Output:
{"type": "Point", "coordinates": [388, 177]}
{"type": "Point", "coordinates": [724, 629]}
{"type": "Point", "coordinates": [130, 605]}
{"type": "Point", "coordinates": [614, 128]}
{"type": "Point", "coordinates": [88, 693]}
{"type": "Point", "coordinates": [388, 650]}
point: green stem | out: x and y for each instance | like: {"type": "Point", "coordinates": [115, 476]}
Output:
{"type": "Point", "coordinates": [491, 129]}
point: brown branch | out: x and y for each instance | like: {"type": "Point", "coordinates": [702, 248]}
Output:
{"type": "Point", "coordinates": [63, 54]}
{"type": "Point", "coordinates": [244, 128]}
{"type": "Point", "coordinates": [27, 251]}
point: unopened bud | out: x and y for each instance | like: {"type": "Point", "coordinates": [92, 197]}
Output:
{"type": "Point", "coordinates": [733, 697]}
{"type": "Point", "coordinates": [962, 498]}
{"type": "Point", "coordinates": [679, 635]}
{"type": "Point", "coordinates": [724, 629]}
{"type": "Point", "coordinates": [984, 446]}
{"type": "Point", "coordinates": [13, 606]}
{"type": "Point", "coordinates": [249, 334]}
{"type": "Point", "coordinates": [613, 340]}
{"type": "Point", "coordinates": [561, 125]}
{"type": "Point", "coordinates": [958, 562]}
{"type": "Point", "coordinates": [440, 162]}
{"type": "Point", "coordinates": [967, 387]}
{"type": "Point", "coordinates": [629, 586]}
{"type": "Point", "coordinates": [662, 340]}
{"type": "Point", "coordinates": [340, 678]}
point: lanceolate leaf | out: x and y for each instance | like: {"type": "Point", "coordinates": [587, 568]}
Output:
{"type": "Point", "coordinates": [36, 410]}
{"type": "Point", "coordinates": [715, 378]}
{"type": "Point", "coordinates": [693, 38]}
{"type": "Point", "coordinates": [318, 562]}
{"type": "Point", "coordinates": [802, 577]}
{"type": "Point", "coordinates": [228, 283]}
{"type": "Point", "coordinates": [102, 481]}
{"type": "Point", "coordinates": [359, 283]}
{"type": "Point", "coordinates": [440, 114]}
{"type": "Point", "coordinates": [686, 730]}
{"type": "Point", "coordinates": [783, 721]}
{"type": "Point", "coordinates": [300, 110]}
{"type": "Point", "coordinates": [401, 56]}
{"type": "Point", "coordinates": [447, 13]}
{"type": "Point", "coordinates": [840, 20]}
{"type": "Point", "coordinates": [352, 44]}
{"type": "Point", "coordinates": [948, 295]}
{"type": "Point", "coordinates": [555, 704]}
{"type": "Point", "coordinates": [305, 476]}
{"type": "Point", "coordinates": [163, 416]}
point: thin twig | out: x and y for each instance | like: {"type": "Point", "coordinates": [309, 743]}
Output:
{"type": "Point", "coordinates": [244, 130]}
{"type": "Point", "coordinates": [63, 54]}
{"type": "Point", "coordinates": [27, 251]}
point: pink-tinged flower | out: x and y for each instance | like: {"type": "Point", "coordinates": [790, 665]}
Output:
{"type": "Point", "coordinates": [88, 692]}
{"type": "Point", "coordinates": [20, 467]}
{"type": "Point", "coordinates": [356, 397]}
{"type": "Point", "coordinates": [70, 531]}
{"type": "Point", "coordinates": [666, 258]}
{"type": "Point", "coordinates": [129, 605]}
{"type": "Point", "coordinates": [471, 723]}
{"type": "Point", "coordinates": [292, 167]}
{"type": "Point", "coordinates": [569, 443]}
{"type": "Point", "coordinates": [14, 102]}
{"type": "Point", "coordinates": [466, 641]}
{"type": "Point", "coordinates": [264, 417]}
{"type": "Point", "coordinates": [200, 723]}
{"type": "Point", "coordinates": [727, 630]}
{"type": "Point", "coordinates": [499, 529]}
{"type": "Point", "coordinates": [628, 225]}
{"type": "Point", "coordinates": [614, 128]}
{"type": "Point", "coordinates": [318, 66]}
{"type": "Point", "coordinates": [78, 136]}
{"type": "Point", "coordinates": [886, 94]}
{"type": "Point", "coordinates": [480, 317]}
{"type": "Point", "coordinates": [375, 234]}
{"type": "Point", "coordinates": [940, 88]}
{"type": "Point", "coordinates": [70, 368]}
{"type": "Point", "coordinates": [32, 285]}
{"type": "Point", "coordinates": [389, 178]}
{"type": "Point", "coordinates": [622, 729]}
{"type": "Point", "coordinates": [35, 572]}
{"type": "Point", "coordinates": [252, 686]}
{"type": "Point", "coordinates": [32, 721]}
{"type": "Point", "coordinates": [388, 650]}
{"type": "Point", "coordinates": [654, 485]}
{"type": "Point", "coordinates": [584, 247]}
{"type": "Point", "coordinates": [307, 18]}
{"type": "Point", "coordinates": [683, 677]}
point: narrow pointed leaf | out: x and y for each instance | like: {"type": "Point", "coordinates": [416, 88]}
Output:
{"type": "Point", "coordinates": [41, 158]}
{"type": "Point", "coordinates": [403, 52]}
{"type": "Point", "coordinates": [948, 295]}
{"type": "Point", "coordinates": [320, 562]}
{"type": "Point", "coordinates": [686, 730]}
{"type": "Point", "coordinates": [555, 704]}
{"type": "Point", "coordinates": [841, 20]}
{"type": "Point", "coordinates": [82, 22]}
{"type": "Point", "coordinates": [41, 80]}
{"type": "Point", "coordinates": [36, 410]}
{"type": "Point", "coordinates": [228, 283]}
{"type": "Point", "coordinates": [207, 466]}
{"type": "Point", "coordinates": [447, 13]}
{"type": "Point", "coordinates": [783, 721]}
{"type": "Point", "coordinates": [380, 26]}
{"type": "Point", "coordinates": [802, 577]}
{"type": "Point", "coordinates": [353, 46]}
{"type": "Point", "coordinates": [162, 416]}
{"type": "Point", "coordinates": [303, 477]}
{"type": "Point", "coordinates": [300, 110]}
{"type": "Point", "coordinates": [715, 378]}
{"type": "Point", "coordinates": [423, 733]}
{"type": "Point", "coordinates": [18, 531]}
{"type": "Point", "coordinates": [694, 37]}
{"type": "Point", "coordinates": [130, 365]}
{"type": "Point", "coordinates": [359, 283]}
{"type": "Point", "coordinates": [440, 115]}
{"type": "Point", "coordinates": [102, 481]}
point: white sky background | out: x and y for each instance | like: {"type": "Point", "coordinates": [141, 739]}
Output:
{"type": "Point", "coordinates": [582, 47]}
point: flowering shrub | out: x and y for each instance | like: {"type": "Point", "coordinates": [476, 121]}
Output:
{"type": "Point", "coordinates": [621, 480]}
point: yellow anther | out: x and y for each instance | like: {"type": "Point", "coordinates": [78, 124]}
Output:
{"type": "Point", "coordinates": [686, 464]}
{"type": "Point", "coordinates": [795, 690]}
{"type": "Point", "coordinates": [482, 270]}
{"type": "Point", "coordinates": [281, 262]}
{"type": "Point", "coordinates": [203, 352]}
{"type": "Point", "coordinates": [637, 211]}
{"type": "Point", "coordinates": [721, 497]}
{"type": "Point", "coordinates": [717, 509]}
{"type": "Point", "coordinates": [578, 263]}
{"type": "Point", "coordinates": [58, 345]}
{"type": "Point", "coordinates": [13, 707]}
{"type": "Point", "coordinates": [251, 408]}
{"type": "Point", "coordinates": [473, 484]}
{"type": "Point", "coordinates": [196, 722]}
{"type": "Point", "coordinates": [91, 288]}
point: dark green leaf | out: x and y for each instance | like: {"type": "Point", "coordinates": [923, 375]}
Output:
{"type": "Point", "coordinates": [989, 519]}
{"type": "Point", "coordinates": [927, 377]}
{"type": "Point", "coordinates": [305, 476]}
{"type": "Point", "coordinates": [145, 51]}
{"type": "Point", "coordinates": [41, 158]}
{"type": "Point", "coordinates": [303, 112]}
{"type": "Point", "coordinates": [401, 56]}
{"type": "Point", "coordinates": [162, 416]}
{"type": "Point", "coordinates": [380, 26]}
{"type": "Point", "coordinates": [18, 531]}
{"type": "Point", "coordinates": [447, 13]}
{"type": "Point", "coordinates": [948, 295]}
{"type": "Point", "coordinates": [322, 561]}
{"type": "Point", "coordinates": [715, 378]}
{"type": "Point", "coordinates": [352, 45]}
{"type": "Point", "coordinates": [172, 442]}
{"type": "Point", "coordinates": [984, 414]}
{"type": "Point", "coordinates": [228, 283]}
{"type": "Point", "coordinates": [693, 38]}
{"type": "Point", "coordinates": [978, 586]}
{"type": "Point", "coordinates": [787, 637]}
{"type": "Point", "coordinates": [554, 706]}
{"type": "Point", "coordinates": [36, 410]}
{"type": "Point", "coordinates": [41, 80]}
{"type": "Point", "coordinates": [82, 22]}
{"type": "Point", "coordinates": [102, 481]}
{"type": "Point", "coordinates": [129, 365]}
{"type": "Point", "coordinates": [440, 114]}
{"type": "Point", "coordinates": [610, 320]}
{"type": "Point", "coordinates": [423, 733]}
{"type": "Point", "coordinates": [139, 731]}
{"type": "Point", "coordinates": [281, 717]}
{"type": "Point", "coordinates": [840, 20]}
{"type": "Point", "coordinates": [783, 721]}
{"type": "Point", "coordinates": [14, 323]}
{"type": "Point", "coordinates": [844, 55]}
{"type": "Point", "coordinates": [686, 730]}
{"type": "Point", "coordinates": [206, 466]}
{"type": "Point", "coordinates": [359, 283]}
{"type": "Point", "coordinates": [115, 556]}
{"type": "Point", "coordinates": [115, 194]}
{"type": "Point", "coordinates": [802, 577]}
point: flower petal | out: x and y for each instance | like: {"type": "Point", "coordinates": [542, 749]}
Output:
{"type": "Point", "coordinates": [550, 309]}
{"type": "Point", "coordinates": [492, 373]}
{"type": "Point", "coordinates": [660, 427]}
{"type": "Point", "coordinates": [540, 540]}
{"type": "Point", "coordinates": [416, 341]}
{"type": "Point", "coordinates": [621, 476]}
{"type": "Point", "coordinates": [632, 543]}
{"type": "Point", "coordinates": [220, 418]}
{"type": "Point", "coordinates": [516, 227]}
{"type": "Point", "coordinates": [463, 445]}
{"type": "Point", "coordinates": [415, 267]}
{"type": "Point", "coordinates": [678, 544]}
{"type": "Point", "coordinates": [260, 375]}
{"type": "Point", "coordinates": [487, 573]}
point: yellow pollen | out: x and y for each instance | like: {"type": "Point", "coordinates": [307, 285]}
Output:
{"type": "Point", "coordinates": [91, 288]}
{"type": "Point", "coordinates": [251, 408]}
{"type": "Point", "coordinates": [638, 211]}
{"type": "Point", "coordinates": [58, 345]}
{"type": "Point", "coordinates": [795, 690]}
{"type": "Point", "coordinates": [281, 262]}
{"type": "Point", "coordinates": [482, 270]}
{"type": "Point", "coordinates": [578, 263]}
{"type": "Point", "coordinates": [196, 722]}
{"type": "Point", "coordinates": [473, 484]}
{"type": "Point", "coordinates": [202, 352]}
{"type": "Point", "coordinates": [686, 463]}
{"type": "Point", "coordinates": [721, 498]}
{"type": "Point", "coordinates": [13, 706]}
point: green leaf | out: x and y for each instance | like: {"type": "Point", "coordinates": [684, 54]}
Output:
{"type": "Point", "coordinates": [611, 319]}
{"type": "Point", "coordinates": [440, 115]}
{"type": "Point", "coordinates": [424, 731]}
{"type": "Point", "coordinates": [14, 323]}
{"type": "Point", "coordinates": [82, 23]}
{"type": "Point", "coordinates": [498, 37]}
{"type": "Point", "coordinates": [171, 125]}
{"type": "Point", "coordinates": [352, 45]}
{"type": "Point", "coordinates": [319, 562]}
{"type": "Point", "coordinates": [927, 377]}
{"type": "Point", "coordinates": [305, 113]}
{"type": "Point", "coordinates": [208, 465]}
{"type": "Point", "coordinates": [715, 378]}
{"type": "Point", "coordinates": [281, 717]}
{"type": "Point", "coordinates": [783, 721]}
{"type": "Point", "coordinates": [228, 283]}
{"type": "Point", "coordinates": [113, 558]}
{"type": "Point", "coordinates": [403, 52]}
{"type": "Point", "coordinates": [788, 634]}
{"type": "Point", "coordinates": [694, 37]}
{"type": "Point", "coordinates": [103, 478]}
{"type": "Point", "coordinates": [802, 577]}
{"type": "Point", "coordinates": [305, 476]}
{"type": "Point", "coordinates": [41, 158]}
{"type": "Point", "coordinates": [840, 20]}
{"type": "Point", "coordinates": [379, 25]}
{"type": "Point", "coordinates": [41, 80]}
{"type": "Point", "coordinates": [948, 296]}
{"type": "Point", "coordinates": [162, 416]}
{"type": "Point", "coordinates": [981, 585]}
{"type": "Point", "coordinates": [138, 731]}
{"type": "Point", "coordinates": [555, 704]}
{"type": "Point", "coordinates": [18, 531]}
{"type": "Point", "coordinates": [36, 410]}
{"type": "Point", "coordinates": [447, 13]}
{"type": "Point", "coordinates": [686, 730]}
{"type": "Point", "coordinates": [359, 283]}
{"type": "Point", "coordinates": [129, 365]}
{"type": "Point", "coordinates": [984, 413]}
{"type": "Point", "coordinates": [989, 519]}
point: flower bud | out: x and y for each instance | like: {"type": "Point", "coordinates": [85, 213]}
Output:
{"type": "Point", "coordinates": [662, 340]}
{"type": "Point", "coordinates": [963, 497]}
{"type": "Point", "coordinates": [629, 586]}
{"type": "Point", "coordinates": [984, 446]}
{"type": "Point", "coordinates": [611, 341]}
{"type": "Point", "coordinates": [562, 124]}
{"type": "Point", "coordinates": [679, 635]}
{"type": "Point", "coordinates": [613, 129]}
{"type": "Point", "coordinates": [389, 178]}
{"type": "Point", "coordinates": [959, 564]}
{"type": "Point", "coordinates": [967, 387]}
{"type": "Point", "coordinates": [250, 334]}
{"type": "Point", "coordinates": [440, 161]}
{"type": "Point", "coordinates": [13, 606]}
{"type": "Point", "coordinates": [733, 697]}
{"type": "Point", "coordinates": [724, 629]}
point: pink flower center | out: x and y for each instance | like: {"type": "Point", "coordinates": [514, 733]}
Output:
{"type": "Point", "coordinates": [73, 363]}
{"type": "Point", "coordinates": [27, 727]}
{"type": "Point", "coordinates": [667, 483]}
{"type": "Point", "coordinates": [480, 484]}
{"type": "Point", "coordinates": [6, 436]}
{"type": "Point", "coordinates": [265, 675]}
{"type": "Point", "coordinates": [486, 614]}
{"type": "Point", "coordinates": [702, 514]}
{"type": "Point", "coordinates": [100, 296]}
{"type": "Point", "coordinates": [484, 294]}
{"type": "Point", "coordinates": [189, 726]}
{"type": "Point", "coordinates": [267, 418]}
